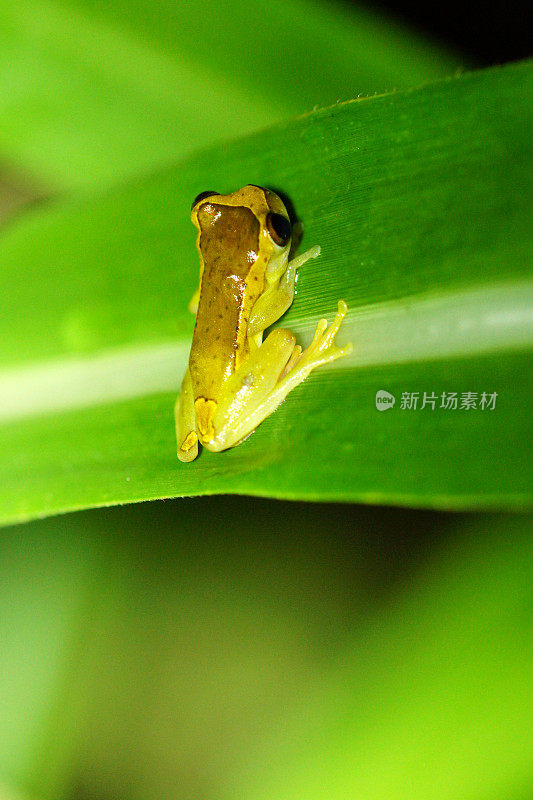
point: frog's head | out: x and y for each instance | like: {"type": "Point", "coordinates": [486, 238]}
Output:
{"type": "Point", "coordinates": [252, 219]}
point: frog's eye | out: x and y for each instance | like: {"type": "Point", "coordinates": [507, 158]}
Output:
{"type": "Point", "coordinates": [202, 196]}
{"type": "Point", "coordinates": [279, 229]}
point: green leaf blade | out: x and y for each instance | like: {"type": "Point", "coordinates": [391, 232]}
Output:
{"type": "Point", "coordinates": [420, 203]}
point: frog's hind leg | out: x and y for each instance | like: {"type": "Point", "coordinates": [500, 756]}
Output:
{"type": "Point", "coordinates": [274, 370]}
{"type": "Point", "coordinates": [185, 417]}
{"type": "Point", "coordinates": [248, 387]}
{"type": "Point", "coordinates": [322, 350]}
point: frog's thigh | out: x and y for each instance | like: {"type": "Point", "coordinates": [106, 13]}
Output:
{"type": "Point", "coordinates": [186, 421]}
{"type": "Point", "coordinates": [248, 387]}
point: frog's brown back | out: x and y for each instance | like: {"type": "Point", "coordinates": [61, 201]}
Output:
{"type": "Point", "coordinates": [232, 279]}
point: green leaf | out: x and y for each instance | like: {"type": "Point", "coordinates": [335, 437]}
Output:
{"type": "Point", "coordinates": [92, 92]}
{"type": "Point", "coordinates": [420, 201]}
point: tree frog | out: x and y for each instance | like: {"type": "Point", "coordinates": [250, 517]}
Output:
{"type": "Point", "coordinates": [234, 379]}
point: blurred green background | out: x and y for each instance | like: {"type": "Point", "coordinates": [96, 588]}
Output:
{"type": "Point", "coordinates": [231, 648]}
{"type": "Point", "coordinates": [237, 648]}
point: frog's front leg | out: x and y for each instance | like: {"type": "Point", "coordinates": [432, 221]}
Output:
{"type": "Point", "coordinates": [193, 302]}
{"type": "Point", "coordinates": [278, 295]}
{"type": "Point", "coordinates": [261, 383]}
{"type": "Point", "coordinates": [185, 417]}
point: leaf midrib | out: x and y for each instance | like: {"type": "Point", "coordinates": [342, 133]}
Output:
{"type": "Point", "coordinates": [418, 328]}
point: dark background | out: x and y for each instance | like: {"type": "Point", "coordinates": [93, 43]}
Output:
{"type": "Point", "coordinates": [491, 33]}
